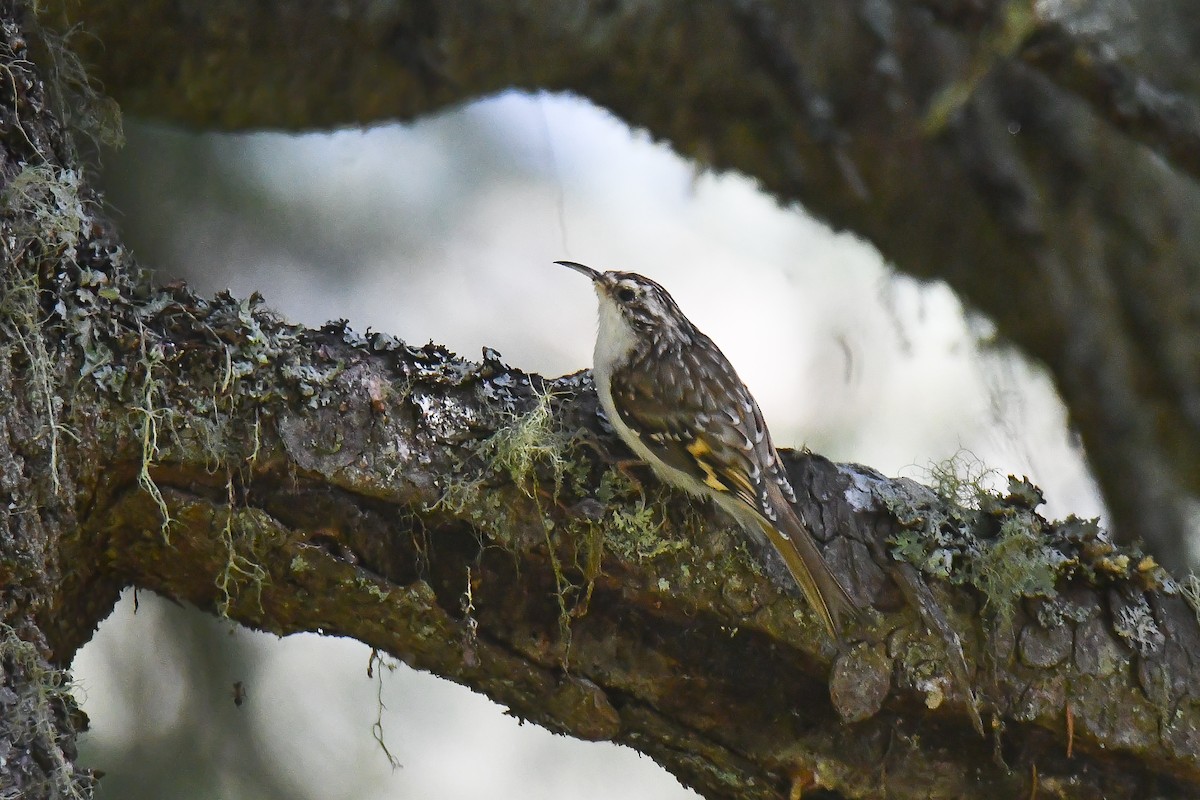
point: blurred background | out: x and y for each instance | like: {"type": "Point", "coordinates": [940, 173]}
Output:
{"type": "Point", "coordinates": [445, 230]}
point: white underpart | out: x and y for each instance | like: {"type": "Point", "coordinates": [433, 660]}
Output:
{"type": "Point", "coordinates": [614, 340]}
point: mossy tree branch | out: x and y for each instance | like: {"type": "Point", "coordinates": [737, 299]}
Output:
{"type": "Point", "coordinates": [448, 513]}
{"type": "Point", "coordinates": [1039, 162]}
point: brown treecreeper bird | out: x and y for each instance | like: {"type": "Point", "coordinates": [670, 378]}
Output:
{"type": "Point", "coordinates": [675, 400]}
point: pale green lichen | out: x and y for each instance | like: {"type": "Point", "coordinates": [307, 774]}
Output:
{"type": "Point", "coordinates": [241, 536]}
{"type": "Point", "coordinates": [962, 479]}
{"type": "Point", "coordinates": [34, 703]}
{"type": "Point", "coordinates": [49, 225]}
{"type": "Point", "coordinates": [532, 452]}
{"type": "Point", "coordinates": [53, 210]}
{"type": "Point", "coordinates": [526, 447]}
{"type": "Point", "coordinates": [529, 442]}
{"type": "Point", "coordinates": [21, 324]}
{"type": "Point", "coordinates": [83, 108]}
{"type": "Point", "coordinates": [1015, 564]}
{"type": "Point", "coordinates": [633, 525]}
{"type": "Point", "coordinates": [154, 412]}
{"type": "Point", "coordinates": [968, 534]}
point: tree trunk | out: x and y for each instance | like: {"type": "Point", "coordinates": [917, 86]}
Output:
{"type": "Point", "coordinates": [450, 513]}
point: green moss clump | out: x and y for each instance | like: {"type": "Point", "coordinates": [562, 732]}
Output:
{"type": "Point", "coordinates": [633, 529]}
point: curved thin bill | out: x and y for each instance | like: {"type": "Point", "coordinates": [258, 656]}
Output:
{"type": "Point", "coordinates": [580, 268]}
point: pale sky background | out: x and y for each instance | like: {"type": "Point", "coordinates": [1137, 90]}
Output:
{"type": "Point", "coordinates": [445, 230]}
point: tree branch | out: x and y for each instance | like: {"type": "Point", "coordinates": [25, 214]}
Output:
{"type": "Point", "coordinates": [972, 142]}
{"type": "Point", "coordinates": [445, 511]}
{"type": "Point", "coordinates": [1164, 120]}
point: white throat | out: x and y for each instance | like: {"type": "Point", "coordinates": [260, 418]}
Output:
{"type": "Point", "coordinates": [614, 340]}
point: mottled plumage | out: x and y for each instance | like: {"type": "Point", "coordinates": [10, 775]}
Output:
{"type": "Point", "coordinates": [677, 402]}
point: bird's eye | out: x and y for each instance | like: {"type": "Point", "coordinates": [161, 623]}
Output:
{"type": "Point", "coordinates": [625, 294]}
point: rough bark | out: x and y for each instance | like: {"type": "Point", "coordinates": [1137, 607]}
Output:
{"type": "Point", "coordinates": [1038, 157]}
{"type": "Point", "coordinates": [449, 513]}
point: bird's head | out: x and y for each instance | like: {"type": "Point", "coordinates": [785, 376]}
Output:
{"type": "Point", "coordinates": [633, 300]}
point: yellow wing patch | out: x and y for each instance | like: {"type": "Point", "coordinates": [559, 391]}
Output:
{"type": "Point", "coordinates": [730, 474]}
{"type": "Point", "coordinates": [699, 449]}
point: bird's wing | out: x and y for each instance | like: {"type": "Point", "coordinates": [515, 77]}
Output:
{"type": "Point", "coordinates": [694, 414]}
{"type": "Point", "coordinates": [692, 411]}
